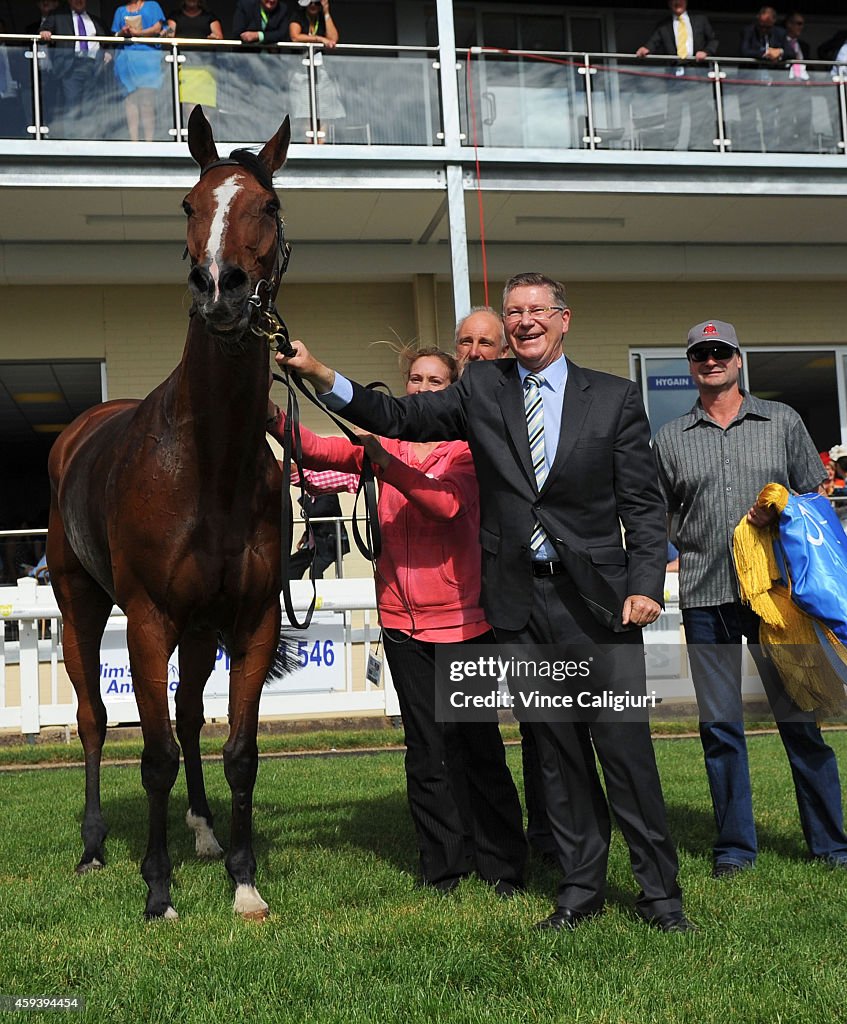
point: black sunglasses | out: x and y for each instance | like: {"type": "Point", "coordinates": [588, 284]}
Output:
{"type": "Point", "coordinates": [704, 352]}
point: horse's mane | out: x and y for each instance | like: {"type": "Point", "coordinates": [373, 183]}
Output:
{"type": "Point", "coordinates": [251, 162]}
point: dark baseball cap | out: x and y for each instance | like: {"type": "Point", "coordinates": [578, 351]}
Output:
{"type": "Point", "coordinates": [711, 331]}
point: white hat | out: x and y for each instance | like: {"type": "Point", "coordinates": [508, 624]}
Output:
{"type": "Point", "coordinates": [838, 451]}
{"type": "Point", "coordinates": [305, 3]}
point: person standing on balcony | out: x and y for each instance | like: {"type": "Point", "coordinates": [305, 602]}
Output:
{"type": "Point", "coordinates": [766, 42]}
{"type": "Point", "coordinates": [798, 48]}
{"type": "Point", "coordinates": [45, 7]}
{"type": "Point", "coordinates": [312, 24]}
{"type": "Point", "coordinates": [255, 80]}
{"type": "Point", "coordinates": [260, 22]}
{"type": "Point", "coordinates": [795, 120]}
{"type": "Point", "coordinates": [712, 464]}
{"type": "Point", "coordinates": [689, 121]}
{"type": "Point", "coordinates": [138, 67]}
{"type": "Point", "coordinates": [76, 66]}
{"type": "Point", "coordinates": [197, 76]}
{"type": "Point", "coordinates": [682, 35]}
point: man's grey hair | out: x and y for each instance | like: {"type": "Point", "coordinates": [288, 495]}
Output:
{"type": "Point", "coordinates": [556, 288]}
{"type": "Point", "coordinates": [460, 323]}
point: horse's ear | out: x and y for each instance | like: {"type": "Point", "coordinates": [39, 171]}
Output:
{"type": "Point", "coordinates": [201, 142]}
{"type": "Point", "coordinates": [275, 149]}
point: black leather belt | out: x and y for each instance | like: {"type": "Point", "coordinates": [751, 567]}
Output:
{"type": "Point", "coordinates": [547, 568]}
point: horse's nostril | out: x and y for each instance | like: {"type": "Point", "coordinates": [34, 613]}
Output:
{"type": "Point", "coordinates": [200, 279]}
{"type": "Point", "coordinates": [233, 279]}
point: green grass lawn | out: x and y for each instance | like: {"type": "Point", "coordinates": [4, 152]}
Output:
{"type": "Point", "coordinates": [350, 938]}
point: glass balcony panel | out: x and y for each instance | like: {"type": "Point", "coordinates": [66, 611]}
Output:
{"type": "Point", "coordinates": [650, 106]}
{"type": "Point", "coordinates": [521, 103]}
{"type": "Point", "coordinates": [246, 92]}
{"type": "Point", "coordinates": [253, 91]}
{"type": "Point", "coordinates": [374, 100]}
{"type": "Point", "coordinates": [120, 92]}
{"type": "Point", "coordinates": [15, 91]}
{"type": "Point", "coordinates": [781, 110]}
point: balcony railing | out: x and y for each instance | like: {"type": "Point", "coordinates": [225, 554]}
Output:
{"type": "Point", "coordinates": [366, 96]}
{"type": "Point", "coordinates": [615, 101]}
{"type": "Point", "coordinates": [354, 95]}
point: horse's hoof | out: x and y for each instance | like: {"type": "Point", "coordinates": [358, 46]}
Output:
{"type": "Point", "coordinates": [168, 914]}
{"type": "Point", "coordinates": [206, 845]}
{"type": "Point", "coordinates": [255, 915]}
{"type": "Point", "coordinates": [248, 904]}
{"type": "Point", "coordinates": [85, 866]}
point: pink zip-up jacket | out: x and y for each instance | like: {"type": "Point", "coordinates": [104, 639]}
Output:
{"type": "Point", "coordinates": [429, 517]}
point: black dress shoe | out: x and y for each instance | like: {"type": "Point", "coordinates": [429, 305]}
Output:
{"type": "Point", "coordinates": [674, 921]}
{"type": "Point", "coordinates": [508, 890]}
{"type": "Point", "coordinates": [565, 918]}
{"type": "Point", "coordinates": [444, 888]}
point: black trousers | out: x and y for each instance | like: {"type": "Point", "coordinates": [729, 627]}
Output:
{"type": "Point", "coordinates": [463, 801]}
{"type": "Point", "coordinates": [576, 806]}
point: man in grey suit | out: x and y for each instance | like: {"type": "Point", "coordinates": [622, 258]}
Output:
{"type": "Point", "coordinates": [555, 570]}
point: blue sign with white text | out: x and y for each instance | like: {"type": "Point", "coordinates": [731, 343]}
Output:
{"type": "Point", "coordinates": [671, 383]}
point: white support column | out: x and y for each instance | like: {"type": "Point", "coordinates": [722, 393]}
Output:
{"type": "Point", "coordinates": [453, 152]}
{"type": "Point", "coordinates": [458, 240]}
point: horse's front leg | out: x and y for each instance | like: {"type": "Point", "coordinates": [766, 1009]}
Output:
{"type": "Point", "coordinates": [197, 653]}
{"type": "Point", "coordinates": [151, 639]}
{"type": "Point", "coordinates": [251, 662]}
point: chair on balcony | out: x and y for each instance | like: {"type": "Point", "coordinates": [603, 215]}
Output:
{"type": "Point", "coordinates": [338, 133]}
{"type": "Point", "coordinates": [648, 130]}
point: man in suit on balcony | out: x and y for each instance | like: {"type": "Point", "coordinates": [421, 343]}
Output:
{"type": "Point", "coordinates": [690, 119]}
{"type": "Point", "coordinates": [76, 65]}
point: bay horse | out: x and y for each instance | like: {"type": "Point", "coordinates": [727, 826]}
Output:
{"type": "Point", "coordinates": [170, 508]}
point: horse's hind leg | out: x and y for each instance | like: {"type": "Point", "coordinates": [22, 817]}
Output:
{"type": "Point", "coordinates": [241, 756]}
{"type": "Point", "coordinates": [85, 608]}
{"type": "Point", "coordinates": [151, 640]}
{"type": "Point", "coordinates": [196, 660]}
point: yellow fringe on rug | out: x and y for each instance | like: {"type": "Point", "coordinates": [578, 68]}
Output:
{"type": "Point", "coordinates": [755, 564]}
{"type": "Point", "coordinates": [787, 634]}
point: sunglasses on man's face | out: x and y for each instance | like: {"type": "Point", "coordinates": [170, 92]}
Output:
{"type": "Point", "coordinates": [704, 352]}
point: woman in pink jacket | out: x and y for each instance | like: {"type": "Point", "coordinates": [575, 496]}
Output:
{"type": "Point", "coordinates": [463, 801]}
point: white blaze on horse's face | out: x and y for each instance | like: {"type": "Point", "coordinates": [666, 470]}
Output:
{"type": "Point", "coordinates": [224, 196]}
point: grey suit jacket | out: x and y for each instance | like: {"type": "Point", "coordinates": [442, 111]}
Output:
{"type": "Point", "coordinates": [604, 474]}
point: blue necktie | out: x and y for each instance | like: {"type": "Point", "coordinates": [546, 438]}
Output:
{"type": "Point", "coordinates": [535, 430]}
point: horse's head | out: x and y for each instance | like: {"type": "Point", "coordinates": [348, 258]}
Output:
{"type": "Point", "coordinates": [234, 234]}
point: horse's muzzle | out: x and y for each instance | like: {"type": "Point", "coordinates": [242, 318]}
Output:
{"type": "Point", "coordinates": [223, 302]}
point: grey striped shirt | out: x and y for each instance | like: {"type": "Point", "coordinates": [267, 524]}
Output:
{"type": "Point", "coordinates": [711, 477]}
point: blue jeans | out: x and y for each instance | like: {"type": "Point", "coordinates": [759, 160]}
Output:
{"type": "Point", "coordinates": [714, 652]}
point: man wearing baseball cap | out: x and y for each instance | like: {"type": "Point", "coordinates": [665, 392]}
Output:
{"type": "Point", "coordinates": [712, 464]}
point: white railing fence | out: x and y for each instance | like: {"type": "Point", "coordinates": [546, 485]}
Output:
{"type": "Point", "coordinates": [35, 692]}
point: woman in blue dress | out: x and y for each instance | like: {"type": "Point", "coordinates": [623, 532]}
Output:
{"type": "Point", "coordinates": [138, 67]}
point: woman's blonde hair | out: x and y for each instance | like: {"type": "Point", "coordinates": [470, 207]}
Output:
{"type": "Point", "coordinates": [408, 354]}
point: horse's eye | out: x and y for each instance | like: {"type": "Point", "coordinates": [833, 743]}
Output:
{"type": "Point", "coordinates": [272, 208]}
{"type": "Point", "coordinates": [186, 206]}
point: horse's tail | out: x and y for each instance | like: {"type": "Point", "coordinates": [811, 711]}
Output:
{"type": "Point", "coordinates": [285, 660]}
